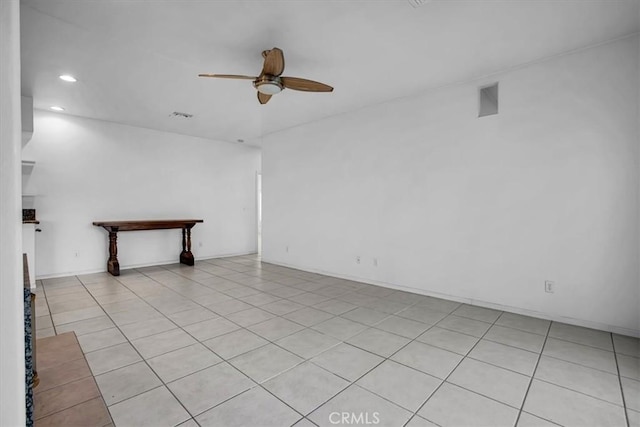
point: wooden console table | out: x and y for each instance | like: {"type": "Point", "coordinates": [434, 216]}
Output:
{"type": "Point", "coordinates": [186, 257]}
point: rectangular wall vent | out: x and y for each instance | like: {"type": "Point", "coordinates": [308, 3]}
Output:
{"type": "Point", "coordinates": [488, 100]}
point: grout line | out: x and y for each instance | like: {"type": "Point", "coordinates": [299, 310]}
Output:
{"type": "Point", "coordinates": [143, 360]}
{"type": "Point", "coordinates": [269, 276]}
{"type": "Point", "coordinates": [95, 383]}
{"type": "Point", "coordinates": [46, 301]}
{"type": "Point", "coordinates": [223, 361]}
{"type": "Point", "coordinates": [526, 394]}
{"type": "Point", "coordinates": [303, 359]}
{"type": "Point", "coordinates": [624, 402]}
{"type": "Point", "coordinates": [415, 413]}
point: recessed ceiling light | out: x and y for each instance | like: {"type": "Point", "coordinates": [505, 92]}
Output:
{"type": "Point", "coordinates": [56, 108]}
{"type": "Point", "coordinates": [68, 78]}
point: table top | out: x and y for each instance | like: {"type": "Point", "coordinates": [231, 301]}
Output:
{"type": "Point", "coordinates": [148, 224]}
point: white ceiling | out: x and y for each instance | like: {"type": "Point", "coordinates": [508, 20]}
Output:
{"type": "Point", "coordinates": [137, 61]}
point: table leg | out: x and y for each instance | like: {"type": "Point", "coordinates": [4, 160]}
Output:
{"type": "Point", "coordinates": [186, 257]}
{"type": "Point", "coordinates": [113, 266]}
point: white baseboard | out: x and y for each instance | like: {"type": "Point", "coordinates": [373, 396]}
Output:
{"type": "Point", "coordinates": [517, 310]}
{"type": "Point", "coordinates": [131, 266]}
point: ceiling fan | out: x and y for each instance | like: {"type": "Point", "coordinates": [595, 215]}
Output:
{"type": "Point", "coordinates": [270, 81]}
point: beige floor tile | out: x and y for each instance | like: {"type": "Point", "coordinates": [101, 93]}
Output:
{"type": "Point", "coordinates": [496, 383]}
{"type": "Point", "coordinates": [76, 315]}
{"type": "Point", "coordinates": [182, 362]}
{"type": "Point", "coordinates": [335, 306]}
{"type": "Point", "coordinates": [418, 421]}
{"type": "Point", "coordinates": [359, 404]}
{"type": "Point", "coordinates": [250, 317]}
{"type": "Point", "coordinates": [275, 328]}
{"type": "Point", "coordinates": [580, 335]}
{"type": "Point", "coordinates": [404, 327]}
{"type": "Point", "coordinates": [211, 328]}
{"type": "Point", "coordinates": [379, 342]}
{"type": "Point", "coordinates": [524, 323]}
{"type": "Point", "coordinates": [88, 326]}
{"type": "Point", "coordinates": [347, 361]}
{"type": "Point", "coordinates": [164, 342]}
{"type": "Point", "coordinates": [235, 343]}
{"type": "Point", "coordinates": [307, 343]}
{"type": "Point", "coordinates": [428, 359]}
{"type": "Point", "coordinates": [401, 385]}
{"type": "Point", "coordinates": [504, 356]}
{"type": "Point", "coordinates": [265, 362]}
{"type": "Point", "coordinates": [157, 407]}
{"type": "Point", "coordinates": [463, 325]}
{"type": "Point", "coordinates": [308, 316]}
{"type": "Point", "coordinates": [581, 354]}
{"type": "Point", "coordinates": [629, 346]}
{"type": "Point", "coordinates": [366, 316]}
{"type": "Point", "coordinates": [135, 315]}
{"type": "Point", "coordinates": [528, 420]}
{"type": "Point", "coordinates": [631, 390]}
{"type": "Point", "coordinates": [254, 407]}
{"type": "Point", "coordinates": [515, 338]}
{"type": "Point", "coordinates": [629, 366]}
{"type": "Point", "coordinates": [569, 408]}
{"type": "Point", "coordinates": [305, 387]}
{"type": "Point", "coordinates": [205, 389]}
{"type": "Point", "coordinates": [123, 383]}
{"type": "Point", "coordinates": [110, 358]}
{"type": "Point", "coordinates": [102, 339]}
{"type": "Point", "coordinates": [340, 328]}
{"type": "Point", "coordinates": [451, 405]}
{"type": "Point", "coordinates": [448, 340]}
{"type": "Point", "coordinates": [592, 382]}
{"type": "Point", "coordinates": [282, 307]}
{"type": "Point", "coordinates": [147, 328]}
{"type": "Point", "coordinates": [422, 314]}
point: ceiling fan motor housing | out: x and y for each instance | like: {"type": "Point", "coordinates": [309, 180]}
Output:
{"type": "Point", "coordinates": [269, 85]}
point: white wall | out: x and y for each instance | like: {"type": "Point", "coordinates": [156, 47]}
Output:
{"type": "Point", "coordinates": [482, 210]}
{"type": "Point", "coordinates": [88, 170]}
{"type": "Point", "coordinates": [12, 390]}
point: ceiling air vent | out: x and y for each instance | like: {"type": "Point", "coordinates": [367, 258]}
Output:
{"type": "Point", "coordinates": [179, 115]}
{"type": "Point", "coordinates": [418, 3]}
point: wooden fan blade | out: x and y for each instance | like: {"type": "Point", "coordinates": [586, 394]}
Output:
{"type": "Point", "coordinates": [296, 83]}
{"type": "Point", "coordinates": [228, 76]}
{"type": "Point", "coordinates": [273, 62]}
{"type": "Point", "coordinates": [263, 98]}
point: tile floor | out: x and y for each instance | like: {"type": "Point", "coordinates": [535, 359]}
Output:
{"type": "Point", "coordinates": [237, 342]}
{"type": "Point", "coordinates": [67, 394]}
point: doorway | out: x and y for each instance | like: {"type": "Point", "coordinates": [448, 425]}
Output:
{"type": "Point", "coordinates": [259, 212]}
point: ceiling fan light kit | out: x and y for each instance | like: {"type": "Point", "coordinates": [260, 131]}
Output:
{"type": "Point", "coordinates": [268, 85]}
{"type": "Point", "coordinates": [269, 82]}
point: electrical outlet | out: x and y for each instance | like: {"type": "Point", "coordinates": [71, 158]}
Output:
{"type": "Point", "coordinates": [286, 249]}
{"type": "Point", "coordinates": [77, 254]}
{"type": "Point", "coordinates": [549, 286]}
{"type": "Point", "coordinates": [375, 262]}
{"type": "Point", "coordinates": [199, 244]}
{"type": "Point", "coordinates": [357, 260]}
